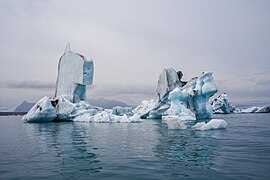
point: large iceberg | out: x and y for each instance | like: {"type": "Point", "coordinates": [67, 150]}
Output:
{"type": "Point", "coordinates": [172, 96]}
{"type": "Point", "coordinates": [69, 104]}
{"type": "Point", "coordinates": [179, 103]}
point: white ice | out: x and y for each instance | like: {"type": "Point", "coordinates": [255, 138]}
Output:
{"type": "Point", "coordinates": [74, 73]}
{"type": "Point", "coordinates": [194, 96]}
{"type": "Point", "coordinates": [177, 122]}
{"type": "Point", "coordinates": [211, 125]}
{"type": "Point", "coordinates": [42, 111]}
{"type": "Point", "coordinates": [221, 105]}
{"type": "Point", "coordinates": [168, 81]}
{"type": "Point", "coordinates": [65, 110]}
{"type": "Point", "coordinates": [178, 97]}
{"type": "Point", "coordinates": [120, 111]}
{"type": "Point", "coordinates": [145, 107]}
{"type": "Point", "coordinates": [107, 116]}
{"type": "Point", "coordinates": [254, 109]}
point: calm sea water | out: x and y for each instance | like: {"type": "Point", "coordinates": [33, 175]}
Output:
{"type": "Point", "coordinates": [145, 150]}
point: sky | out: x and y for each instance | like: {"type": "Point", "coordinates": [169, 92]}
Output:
{"type": "Point", "coordinates": [131, 42]}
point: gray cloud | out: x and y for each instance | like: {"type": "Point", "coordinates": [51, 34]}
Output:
{"type": "Point", "coordinates": [132, 41]}
{"type": "Point", "coordinates": [36, 85]}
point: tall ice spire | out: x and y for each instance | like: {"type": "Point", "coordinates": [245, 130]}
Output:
{"type": "Point", "coordinates": [67, 49]}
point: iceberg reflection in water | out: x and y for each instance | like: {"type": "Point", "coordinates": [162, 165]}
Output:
{"type": "Point", "coordinates": [146, 150]}
{"type": "Point", "coordinates": [187, 147]}
{"type": "Point", "coordinates": [71, 146]}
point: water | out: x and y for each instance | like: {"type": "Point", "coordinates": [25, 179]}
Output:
{"type": "Point", "coordinates": [145, 150]}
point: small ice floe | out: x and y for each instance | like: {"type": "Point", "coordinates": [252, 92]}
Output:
{"type": "Point", "coordinates": [177, 122]}
{"type": "Point", "coordinates": [211, 125]}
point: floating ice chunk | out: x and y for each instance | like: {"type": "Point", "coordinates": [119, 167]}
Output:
{"type": "Point", "coordinates": [250, 110]}
{"type": "Point", "coordinates": [198, 125]}
{"type": "Point", "coordinates": [177, 122]}
{"type": "Point", "coordinates": [120, 111]}
{"type": "Point", "coordinates": [254, 109]}
{"type": "Point", "coordinates": [42, 111]}
{"type": "Point", "coordinates": [211, 125]}
{"type": "Point", "coordinates": [265, 109]}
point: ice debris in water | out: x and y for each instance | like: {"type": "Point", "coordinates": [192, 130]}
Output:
{"type": "Point", "coordinates": [211, 125]}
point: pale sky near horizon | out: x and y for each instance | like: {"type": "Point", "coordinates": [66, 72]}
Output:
{"type": "Point", "coordinates": [131, 41]}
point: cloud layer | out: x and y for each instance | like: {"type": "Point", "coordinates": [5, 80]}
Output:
{"type": "Point", "coordinates": [132, 41]}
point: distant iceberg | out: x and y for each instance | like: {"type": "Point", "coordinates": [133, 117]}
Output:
{"type": "Point", "coordinates": [254, 109]}
{"type": "Point", "coordinates": [221, 105]}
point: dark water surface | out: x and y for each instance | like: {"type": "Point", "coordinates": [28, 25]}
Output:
{"type": "Point", "coordinates": [145, 150]}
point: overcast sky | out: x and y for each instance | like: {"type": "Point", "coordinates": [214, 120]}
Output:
{"type": "Point", "coordinates": [131, 41]}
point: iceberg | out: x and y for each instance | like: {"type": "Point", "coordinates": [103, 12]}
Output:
{"type": "Point", "coordinates": [254, 109]}
{"type": "Point", "coordinates": [179, 103]}
{"type": "Point", "coordinates": [172, 96]}
{"type": "Point", "coordinates": [75, 72]}
{"type": "Point", "coordinates": [221, 105]}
